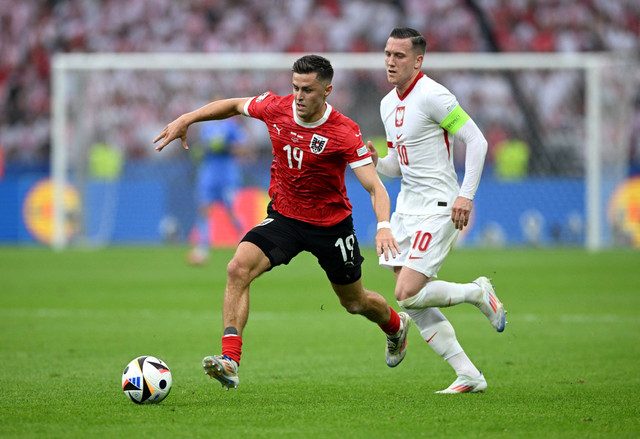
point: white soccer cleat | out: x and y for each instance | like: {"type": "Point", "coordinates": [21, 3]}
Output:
{"type": "Point", "coordinates": [490, 305]}
{"type": "Point", "coordinates": [397, 346]}
{"type": "Point", "coordinates": [197, 256]}
{"type": "Point", "coordinates": [223, 369]}
{"type": "Point", "coordinates": [466, 384]}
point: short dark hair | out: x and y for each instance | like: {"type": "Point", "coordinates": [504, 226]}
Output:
{"type": "Point", "coordinates": [418, 43]}
{"type": "Point", "coordinates": [314, 64]}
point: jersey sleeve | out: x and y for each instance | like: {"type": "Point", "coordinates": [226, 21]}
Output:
{"type": "Point", "coordinates": [362, 161]}
{"type": "Point", "coordinates": [389, 164]}
{"type": "Point", "coordinates": [476, 144]}
{"type": "Point", "coordinates": [357, 152]}
{"type": "Point", "coordinates": [443, 107]}
{"type": "Point", "coordinates": [257, 106]}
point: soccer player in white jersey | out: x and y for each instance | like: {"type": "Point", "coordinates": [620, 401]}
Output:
{"type": "Point", "coordinates": [421, 119]}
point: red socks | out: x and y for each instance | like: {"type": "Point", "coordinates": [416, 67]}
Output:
{"type": "Point", "coordinates": [393, 326]}
{"type": "Point", "coordinates": [232, 347]}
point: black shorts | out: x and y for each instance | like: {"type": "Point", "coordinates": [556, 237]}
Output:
{"type": "Point", "coordinates": [336, 247]}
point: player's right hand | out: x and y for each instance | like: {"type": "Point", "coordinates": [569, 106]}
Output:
{"type": "Point", "coordinates": [386, 244]}
{"type": "Point", "coordinates": [373, 151]}
{"type": "Point", "coordinates": [176, 129]}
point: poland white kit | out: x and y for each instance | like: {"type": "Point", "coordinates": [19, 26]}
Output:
{"type": "Point", "coordinates": [420, 127]}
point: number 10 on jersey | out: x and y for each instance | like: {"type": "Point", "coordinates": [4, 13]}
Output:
{"type": "Point", "coordinates": [402, 154]}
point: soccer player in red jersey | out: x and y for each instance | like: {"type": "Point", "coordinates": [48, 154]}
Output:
{"type": "Point", "coordinates": [312, 145]}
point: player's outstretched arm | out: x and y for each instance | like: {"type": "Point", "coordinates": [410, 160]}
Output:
{"type": "Point", "coordinates": [216, 110]}
{"type": "Point", "coordinates": [385, 242]}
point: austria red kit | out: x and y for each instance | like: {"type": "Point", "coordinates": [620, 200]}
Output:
{"type": "Point", "coordinates": [309, 159]}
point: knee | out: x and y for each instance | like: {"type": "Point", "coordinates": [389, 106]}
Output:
{"type": "Point", "coordinates": [408, 287]}
{"type": "Point", "coordinates": [354, 304]}
{"type": "Point", "coordinates": [237, 271]}
{"type": "Point", "coordinates": [402, 292]}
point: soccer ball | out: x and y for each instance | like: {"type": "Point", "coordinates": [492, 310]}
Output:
{"type": "Point", "coordinates": [146, 380]}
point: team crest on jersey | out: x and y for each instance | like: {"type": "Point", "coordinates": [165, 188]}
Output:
{"type": "Point", "coordinates": [262, 96]}
{"type": "Point", "coordinates": [318, 143]}
{"type": "Point", "coordinates": [399, 116]}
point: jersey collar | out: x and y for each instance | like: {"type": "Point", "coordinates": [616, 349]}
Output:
{"type": "Point", "coordinates": [413, 84]}
{"type": "Point", "coordinates": [317, 123]}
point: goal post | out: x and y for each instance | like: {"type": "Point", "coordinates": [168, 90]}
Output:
{"type": "Point", "coordinates": [603, 100]}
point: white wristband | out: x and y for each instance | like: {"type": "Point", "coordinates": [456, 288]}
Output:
{"type": "Point", "coordinates": [384, 225]}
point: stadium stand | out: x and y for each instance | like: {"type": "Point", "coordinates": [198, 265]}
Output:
{"type": "Point", "coordinates": [31, 32]}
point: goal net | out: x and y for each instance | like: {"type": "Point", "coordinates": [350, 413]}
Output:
{"type": "Point", "coordinates": [559, 128]}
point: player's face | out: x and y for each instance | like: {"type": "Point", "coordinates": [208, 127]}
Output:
{"type": "Point", "coordinates": [309, 96]}
{"type": "Point", "coordinates": [402, 62]}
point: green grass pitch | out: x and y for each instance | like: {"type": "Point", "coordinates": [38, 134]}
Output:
{"type": "Point", "coordinates": [566, 365]}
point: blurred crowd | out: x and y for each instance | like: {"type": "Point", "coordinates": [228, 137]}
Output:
{"type": "Point", "coordinates": [32, 31]}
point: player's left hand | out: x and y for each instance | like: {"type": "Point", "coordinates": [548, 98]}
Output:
{"type": "Point", "coordinates": [386, 244]}
{"type": "Point", "coordinates": [460, 212]}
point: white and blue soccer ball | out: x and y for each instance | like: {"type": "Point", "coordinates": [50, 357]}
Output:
{"type": "Point", "coordinates": [146, 380]}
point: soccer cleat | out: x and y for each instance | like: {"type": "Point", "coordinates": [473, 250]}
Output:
{"type": "Point", "coordinates": [466, 384]}
{"type": "Point", "coordinates": [222, 368]}
{"type": "Point", "coordinates": [197, 256]}
{"type": "Point", "coordinates": [490, 305]}
{"type": "Point", "coordinates": [397, 346]}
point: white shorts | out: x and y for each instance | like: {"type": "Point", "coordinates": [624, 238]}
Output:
{"type": "Point", "coordinates": [425, 242]}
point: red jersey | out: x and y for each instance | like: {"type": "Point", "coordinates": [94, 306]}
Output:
{"type": "Point", "coordinates": [309, 159]}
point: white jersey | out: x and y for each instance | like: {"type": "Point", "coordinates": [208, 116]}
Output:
{"type": "Point", "coordinates": [420, 126]}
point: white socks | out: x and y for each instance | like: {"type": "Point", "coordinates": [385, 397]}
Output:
{"type": "Point", "coordinates": [463, 366]}
{"type": "Point", "coordinates": [436, 331]}
{"type": "Point", "coordinates": [434, 326]}
{"type": "Point", "coordinates": [438, 293]}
